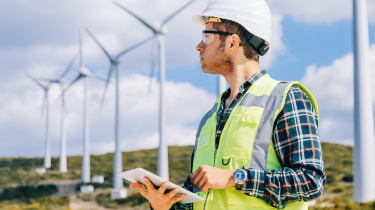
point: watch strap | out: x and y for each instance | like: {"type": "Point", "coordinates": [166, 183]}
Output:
{"type": "Point", "coordinates": [238, 186]}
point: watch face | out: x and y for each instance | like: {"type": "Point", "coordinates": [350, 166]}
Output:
{"type": "Point", "coordinates": [240, 175]}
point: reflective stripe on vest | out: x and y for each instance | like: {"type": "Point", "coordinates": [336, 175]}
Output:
{"type": "Point", "coordinates": [264, 133]}
{"type": "Point", "coordinates": [203, 121]}
{"type": "Point", "coordinates": [246, 140]}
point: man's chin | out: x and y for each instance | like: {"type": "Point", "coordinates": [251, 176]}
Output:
{"type": "Point", "coordinates": [205, 70]}
{"type": "Point", "coordinates": [208, 71]}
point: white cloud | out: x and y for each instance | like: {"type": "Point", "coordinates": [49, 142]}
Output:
{"type": "Point", "coordinates": [40, 37]}
{"type": "Point", "coordinates": [277, 45]}
{"type": "Point", "coordinates": [332, 87]}
{"type": "Point", "coordinates": [318, 11]}
{"type": "Point", "coordinates": [22, 129]}
{"type": "Point", "coordinates": [33, 26]}
{"type": "Point", "coordinates": [41, 33]}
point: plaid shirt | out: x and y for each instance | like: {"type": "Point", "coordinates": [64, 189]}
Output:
{"type": "Point", "coordinates": [297, 145]}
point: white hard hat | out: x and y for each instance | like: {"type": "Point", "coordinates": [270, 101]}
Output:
{"type": "Point", "coordinates": [253, 15]}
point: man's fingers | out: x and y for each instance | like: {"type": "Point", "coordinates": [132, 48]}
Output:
{"type": "Point", "coordinates": [198, 177]}
{"type": "Point", "coordinates": [206, 187]}
{"type": "Point", "coordinates": [149, 184]}
{"type": "Point", "coordinates": [201, 183]}
{"type": "Point", "coordinates": [162, 188]}
{"type": "Point", "coordinates": [172, 193]}
{"type": "Point", "coordinates": [139, 187]}
{"type": "Point", "coordinates": [192, 175]}
{"type": "Point", "coordinates": [178, 198]}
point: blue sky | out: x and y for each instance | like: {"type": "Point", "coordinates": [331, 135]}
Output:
{"type": "Point", "coordinates": [312, 43]}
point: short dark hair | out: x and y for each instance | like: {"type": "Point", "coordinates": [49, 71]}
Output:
{"type": "Point", "coordinates": [235, 28]}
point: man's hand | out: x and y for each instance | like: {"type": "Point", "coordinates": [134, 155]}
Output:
{"type": "Point", "coordinates": [206, 177]}
{"type": "Point", "coordinates": [156, 197]}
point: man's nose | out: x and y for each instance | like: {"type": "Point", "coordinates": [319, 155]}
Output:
{"type": "Point", "coordinates": [200, 47]}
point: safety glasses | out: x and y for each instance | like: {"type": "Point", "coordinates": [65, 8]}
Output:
{"type": "Point", "coordinates": [208, 36]}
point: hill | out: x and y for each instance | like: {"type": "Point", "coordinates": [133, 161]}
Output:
{"type": "Point", "coordinates": [21, 172]}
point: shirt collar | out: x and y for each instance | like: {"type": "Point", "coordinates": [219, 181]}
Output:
{"type": "Point", "coordinates": [245, 86]}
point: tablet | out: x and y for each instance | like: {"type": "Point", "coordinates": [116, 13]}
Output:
{"type": "Point", "coordinates": [137, 175]}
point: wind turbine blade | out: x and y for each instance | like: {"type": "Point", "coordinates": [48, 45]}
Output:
{"type": "Point", "coordinates": [134, 15]}
{"type": "Point", "coordinates": [70, 85]}
{"type": "Point", "coordinates": [97, 42]}
{"type": "Point", "coordinates": [44, 79]}
{"type": "Point", "coordinates": [36, 81]}
{"type": "Point", "coordinates": [74, 81]}
{"type": "Point", "coordinates": [62, 97]}
{"type": "Point", "coordinates": [153, 58]}
{"type": "Point", "coordinates": [97, 77]}
{"type": "Point", "coordinates": [80, 49]}
{"type": "Point", "coordinates": [69, 66]}
{"type": "Point", "coordinates": [134, 46]}
{"type": "Point", "coordinates": [178, 11]}
{"type": "Point", "coordinates": [106, 86]}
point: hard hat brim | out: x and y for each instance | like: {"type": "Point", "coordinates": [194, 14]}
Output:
{"type": "Point", "coordinates": [197, 19]}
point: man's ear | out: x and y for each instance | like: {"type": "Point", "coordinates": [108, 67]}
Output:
{"type": "Point", "coordinates": [235, 42]}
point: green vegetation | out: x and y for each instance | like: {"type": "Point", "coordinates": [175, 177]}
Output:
{"type": "Point", "coordinates": [22, 170]}
{"type": "Point", "coordinates": [28, 192]}
{"type": "Point", "coordinates": [132, 200]}
{"type": "Point", "coordinates": [340, 203]}
{"type": "Point", "coordinates": [337, 194]}
{"type": "Point", "coordinates": [44, 203]}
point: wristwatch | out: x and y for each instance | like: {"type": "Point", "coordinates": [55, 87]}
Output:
{"type": "Point", "coordinates": [240, 176]}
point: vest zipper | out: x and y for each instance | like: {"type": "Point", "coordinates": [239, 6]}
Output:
{"type": "Point", "coordinates": [204, 207]}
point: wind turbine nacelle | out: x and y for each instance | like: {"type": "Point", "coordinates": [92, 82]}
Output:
{"type": "Point", "coordinates": [85, 71]}
{"type": "Point", "coordinates": [160, 29]}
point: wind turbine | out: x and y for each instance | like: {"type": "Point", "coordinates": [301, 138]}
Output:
{"type": "Point", "coordinates": [47, 155]}
{"type": "Point", "coordinates": [159, 30]}
{"type": "Point", "coordinates": [61, 81]}
{"type": "Point", "coordinates": [221, 82]}
{"type": "Point", "coordinates": [84, 73]}
{"type": "Point", "coordinates": [364, 148]}
{"type": "Point", "coordinates": [115, 61]}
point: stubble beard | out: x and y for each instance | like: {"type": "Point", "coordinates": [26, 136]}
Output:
{"type": "Point", "coordinates": [221, 64]}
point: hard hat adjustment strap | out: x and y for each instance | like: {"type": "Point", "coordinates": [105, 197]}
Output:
{"type": "Point", "coordinates": [257, 44]}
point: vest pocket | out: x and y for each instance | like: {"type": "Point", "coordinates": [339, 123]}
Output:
{"type": "Point", "coordinates": [241, 133]}
{"type": "Point", "coordinates": [234, 162]}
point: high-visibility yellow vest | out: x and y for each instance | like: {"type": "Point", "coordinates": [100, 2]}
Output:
{"type": "Point", "coordinates": [246, 140]}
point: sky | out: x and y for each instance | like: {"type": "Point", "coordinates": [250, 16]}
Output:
{"type": "Point", "coordinates": [311, 43]}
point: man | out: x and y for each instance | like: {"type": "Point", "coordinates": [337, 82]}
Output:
{"type": "Point", "coordinates": [258, 147]}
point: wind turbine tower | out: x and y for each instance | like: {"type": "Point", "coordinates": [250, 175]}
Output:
{"type": "Point", "coordinates": [364, 145]}
{"type": "Point", "coordinates": [84, 73]}
{"type": "Point", "coordinates": [159, 30]}
{"type": "Point", "coordinates": [47, 155]}
{"type": "Point", "coordinates": [61, 81]}
{"type": "Point", "coordinates": [119, 191]}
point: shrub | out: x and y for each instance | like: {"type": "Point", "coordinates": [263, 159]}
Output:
{"type": "Point", "coordinates": [339, 189]}
{"type": "Point", "coordinates": [132, 200]}
{"type": "Point", "coordinates": [28, 192]}
{"type": "Point", "coordinates": [348, 178]}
